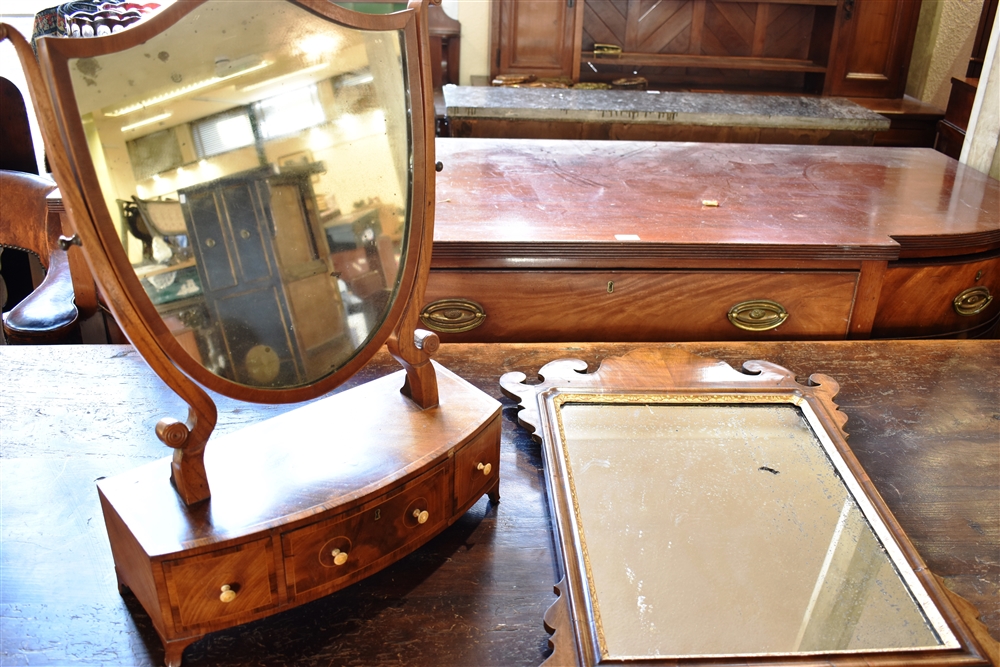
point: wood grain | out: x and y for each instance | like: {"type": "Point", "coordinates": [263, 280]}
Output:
{"type": "Point", "coordinates": [871, 55]}
{"type": "Point", "coordinates": [922, 421]}
{"type": "Point", "coordinates": [938, 284]}
{"type": "Point", "coordinates": [537, 129]}
{"type": "Point", "coordinates": [546, 306]}
{"type": "Point", "coordinates": [560, 204]}
{"type": "Point", "coordinates": [534, 230]}
{"type": "Point", "coordinates": [532, 38]}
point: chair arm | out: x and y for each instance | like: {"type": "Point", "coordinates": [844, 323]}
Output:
{"type": "Point", "coordinates": [48, 314]}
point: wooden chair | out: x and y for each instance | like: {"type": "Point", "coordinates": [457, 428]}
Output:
{"type": "Point", "coordinates": [53, 311]}
{"type": "Point", "coordinates": [49, 314]}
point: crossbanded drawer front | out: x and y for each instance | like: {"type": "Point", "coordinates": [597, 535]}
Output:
{"type": "Point", "coordinates": [477, 465]}
{"type": "Point", "coordinates": [333, 553]}
{"type": "Point", "coordinates": [219, 585]}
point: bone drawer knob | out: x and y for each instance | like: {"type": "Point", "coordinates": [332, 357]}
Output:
{"type": "Point", "coordinates": [420, 515]}
{"type": "Point", "coordinates": [339, 557]}
{"type": "Point", "coordinates": [228, 594]}
{"type": "Point", "coordinates": [486, 468]}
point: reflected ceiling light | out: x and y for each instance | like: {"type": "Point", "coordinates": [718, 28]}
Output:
{"type": "Point", "coordinates": [315, 46]}
{"type": "Point", "coordinates": [183, 90]}
{"type": "Point", "coordinates": [283, 77]}
{"type": "Point", "coordinates": [147, 121]}
{"type": "Point", "coordinates": [355, 80]}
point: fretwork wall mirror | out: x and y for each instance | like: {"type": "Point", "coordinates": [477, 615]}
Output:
{"type": "Point", "coordinates": [252, 184]}
{"type": "Point", "coordinates": [705, 516]}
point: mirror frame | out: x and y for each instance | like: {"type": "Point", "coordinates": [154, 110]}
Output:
{"type": "Point", "coordinates": [672, 376]}
{"type": "Point", "coordinates": [100, 236]}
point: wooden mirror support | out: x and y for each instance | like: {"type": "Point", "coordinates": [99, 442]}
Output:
{"type": "Point", "coordinates": [312, 501]}
{"type": "Point", "coordinates": [706, 516]}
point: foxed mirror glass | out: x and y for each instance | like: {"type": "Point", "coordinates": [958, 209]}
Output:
{"type": "Point", "coordinates": [256, 160]}
{"type": "Point", "coordinates": [682, 506]}
{"type": "Point", "coordinates": [708, 516]}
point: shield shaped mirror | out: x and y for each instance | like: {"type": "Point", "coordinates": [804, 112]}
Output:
{"type": "Point", "coordinates": [254, 161]}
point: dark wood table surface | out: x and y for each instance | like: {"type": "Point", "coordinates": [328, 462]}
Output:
{"type": "Point", "coordinates": [521, 203]}
{"type": "Point", "coordinates": [923, 418]}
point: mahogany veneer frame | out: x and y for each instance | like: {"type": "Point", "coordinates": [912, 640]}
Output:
{"type": "Point", "coordinates": [309, 502]}
{"type": "Point", "coordinates": [671, 376]}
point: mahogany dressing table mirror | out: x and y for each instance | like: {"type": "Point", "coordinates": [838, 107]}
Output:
{"type": "Point", "coordinates": [252, 184]}
{"type": "Point", "coordinates": [705, 516]}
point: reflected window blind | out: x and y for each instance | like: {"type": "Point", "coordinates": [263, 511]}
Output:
{"type": "Point", "coordinates": [290, 112]}
{"type": "Point", "coordinates": [222, 132]}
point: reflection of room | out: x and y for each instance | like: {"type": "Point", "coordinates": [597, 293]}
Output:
{"type": "Point", "coordinates": [235, 188]}
{"type": "Point", "coordinates": [694, 534]}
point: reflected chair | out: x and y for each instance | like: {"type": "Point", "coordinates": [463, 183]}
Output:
{"type": "Point", "coordinates": [165, 219]}
{"type": "Point", "coordinates": [152, 221]}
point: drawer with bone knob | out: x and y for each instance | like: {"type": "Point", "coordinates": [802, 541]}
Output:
{"type": "Point", "coordinates": [477, 466]}
{"type": "Point", "coordinates": [331, 554]}
{"type": "Point", "coordinates": [221, 584]}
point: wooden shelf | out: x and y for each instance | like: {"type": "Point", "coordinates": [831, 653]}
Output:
{"type": "Point", "coordinates": [714, 62]}
{"type": "Point", "coordinates": [824, 47]}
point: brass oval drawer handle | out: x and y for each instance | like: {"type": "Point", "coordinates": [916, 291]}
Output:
{"type": "Point", "coordinates": [339, 557]}
{"type": "Point", "coordinates": [228, 594]}
{"type": "Point", "coordinates": [421, 515]}
{"type": "Point", "coordinates": [452, 315]}
{"type": "Point", "coordinates": [972, 301]}
{"type": "Point", "coordinates": [757, 315]}
{"type": "Point", "coordinates": [486, 468]}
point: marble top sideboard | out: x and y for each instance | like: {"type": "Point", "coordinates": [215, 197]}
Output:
{"type": "Point", "coordinates": [541, 113]}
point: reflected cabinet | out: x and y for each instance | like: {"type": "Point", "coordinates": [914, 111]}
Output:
{"type": "Point", "coordinates": [259, 248]}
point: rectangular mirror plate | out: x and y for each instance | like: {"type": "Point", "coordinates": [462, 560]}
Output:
{"type": "Point", "coordinates": [728, 524]}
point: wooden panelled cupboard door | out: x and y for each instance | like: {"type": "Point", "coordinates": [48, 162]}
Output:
{"type": "Point", "coordinates": [534, 37]}
{"type": "Point", "coordinates": [871, 56]}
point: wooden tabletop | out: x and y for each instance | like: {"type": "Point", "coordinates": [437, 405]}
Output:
{"type": "Point", "coordinates": [923, 419]}
{"type": "Point", "coordinates": [530, 202]}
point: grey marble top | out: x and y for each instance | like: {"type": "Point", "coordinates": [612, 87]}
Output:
{"type": "Point", "coordinates": [665, 108]}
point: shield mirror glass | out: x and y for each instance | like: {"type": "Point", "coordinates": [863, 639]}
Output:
{"type": "Point", "coordinates": [731, 529]}
{"type": "Point", "coordinates": [256, 158]}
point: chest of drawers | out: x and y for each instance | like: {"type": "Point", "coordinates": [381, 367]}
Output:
{"type": "Point", "coordinates": [350, 506]}
{"type": "Point", "coordinates": [560, 241]}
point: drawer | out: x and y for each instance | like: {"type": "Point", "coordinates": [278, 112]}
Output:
{"type": "Point", "coordinates": [195, 585]}
{"type": "Point", "coordinates": [937, 298]}
{"type": "Point", "coordinates": [477, 465]}
{"type": "Point", "coordinates": [327, 553]}
{"type": "Point", "coordinates": [567, 306]}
